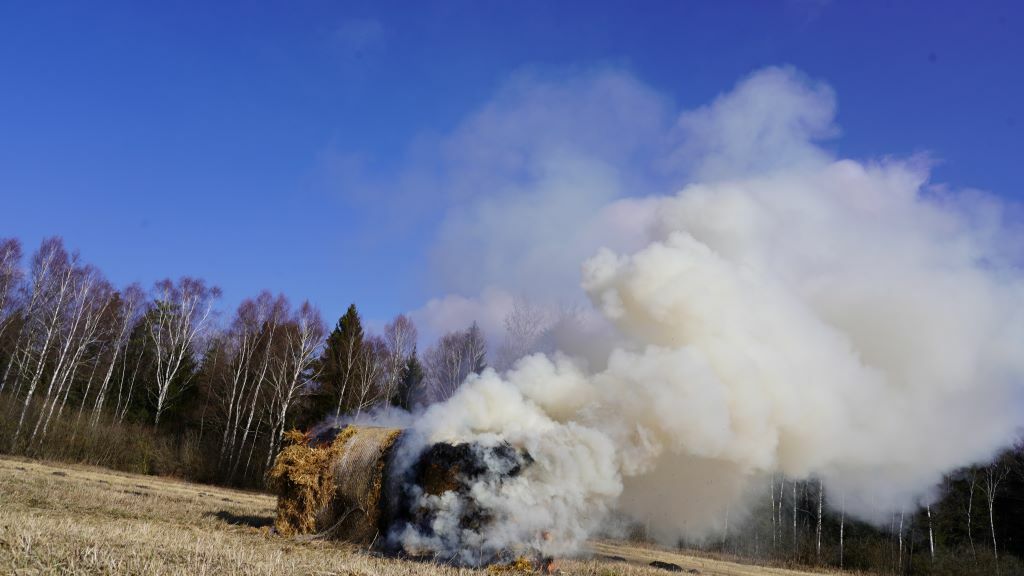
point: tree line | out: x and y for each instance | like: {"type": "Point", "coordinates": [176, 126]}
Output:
{"type": "Point", "coordinates": [158, 380]}
{"type": "Point", "coordinates": [974, 526]}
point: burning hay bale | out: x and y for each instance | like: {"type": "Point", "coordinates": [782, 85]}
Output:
{"type": "Point", "coordinates": [334, 488]}
{"type": "Point", "coordinates": [444, 471]}
{"type": "Point", "coordinates": [453, 467]}
{"type": "Point", "coordinates": [347, 483]}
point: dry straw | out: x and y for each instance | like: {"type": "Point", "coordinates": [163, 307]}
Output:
{"type": "Point", "coordinates": [333, 490]}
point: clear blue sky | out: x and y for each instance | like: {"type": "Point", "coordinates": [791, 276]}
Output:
{"type": "Point", "coordinates": [204, 138]}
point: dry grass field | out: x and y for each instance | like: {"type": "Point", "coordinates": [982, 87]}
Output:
{"type": "Point", "coordinates": [57, 519]}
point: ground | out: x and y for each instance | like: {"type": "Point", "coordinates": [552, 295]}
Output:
{"type": "Point", "coordinates": [59, 519]}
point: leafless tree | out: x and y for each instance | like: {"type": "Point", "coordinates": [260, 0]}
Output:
{"type": "Point", "coordinates": [177, 319]}
{"type": "Point", "coordinates": [129, 373]}
{"type": "Point", "coordinates": [10, 278]}
{"type": "Point", "coordinates": [972, 482]}
{"type": "Point", "coordinates": [842, 529]}
{"type": "Point", "coordinates": [782, 498]}
{"type": "Point", "coordinates": [821, 498]}
{"type": "Point", "coordinates": [476, 349]}
{"type": "Point", "coordinates": [373, 359]}
{"type": "Point", "coordinates": [52, 274]}
{"type": "Point", "coordinates": [794, 515]}
{"type": "Point", "coordinates": [241, 343]}
{"type": "Point", "coordinates": [399, 343]}
{"type": "Point", "coordinates": [78, 331]}
{"type": "Point", "coordinates": [129, 304]}
{"type": "Point", "coordinates": [293, 370]}
{"type": "Point", "coordinates": [771, 493]}
{"type": "Point", "coordinates": [992, 477]}
{"type": "Point", "coordinates": [931, 533]}
{"type": "Point", "coordinates": [899, 562]}
{"type": "Point", "coordinates": [256, 326]}
{"type": "Point", "coordinates": [524, 326]}
{"type": "Point", "coordinates": [443, 366]}
{"type": "Point", "coordinates": [448, 362]}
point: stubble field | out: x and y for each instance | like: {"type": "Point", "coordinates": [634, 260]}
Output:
{"type": "Point", "coordinates": [58, 519]}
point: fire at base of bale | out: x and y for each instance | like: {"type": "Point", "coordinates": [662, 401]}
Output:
{"type": "Point", "coordinates": [345, 483]}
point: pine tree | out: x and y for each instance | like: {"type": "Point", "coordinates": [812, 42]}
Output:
{"type": "Point", "coordinates": [412, 379]}
{"type": "Point", "coordinates": [339, 366]}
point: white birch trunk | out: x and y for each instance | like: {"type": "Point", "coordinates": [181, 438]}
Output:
{"type": "Point", "coordinates": [771, 491]}
{"type": "Point", "coordinates": [821, 496]}
{"type": "Point", "coordinates": [931, 533]}
{"type": "Point", "coordinates": [842, 529]}
{"type": "Point", "coordinates": [900, 560]}
{"type": "Point", "coordinates": [970, 508]}
{"type": "Point", "coordinates": [794, 516]}
{"type": "Point", "coordinates": [50, 332]}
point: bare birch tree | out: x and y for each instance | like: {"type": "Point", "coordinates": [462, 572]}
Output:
{"type": "Point", "coordinates": [931, 533]}
{"type": "Point", "coordinates": [771, 493]}
{"type": "Point", "coordinates": [77, 333]}
{"type": "Point", "coordinates": [10, 281]}
{"type": "Point", "coordinates": [262, 320]}
{"type": "Point", "coordinates": [134, 362]}
{"type": "Point", "coordinates": [972, 482]}
{"type": "Point", "coordinates": [34, 298]}
{"type": "Point", "coordinates": [400, 342]}
{"type": "Point", "coordinates": [52, 272]}
{"type": "Point", "coordinates": [368, 392]}
{"type": "Point", "coordinates": [794, 515]}
{"type": "Point", "coordinates": [293, 371]}
{"type": "Point", "coordinates": [241, 343]}
{"type": "Point", "coordinates": [900, 536]}
{"type": "Point", "coordinates": [525, 323]}
{"type": "Point", "coordinates": [842, 529]}
{"type": "Point", "coordinates": [992, 477]}
{"type": "Point", "coordinates": [10, 278]}
{"type": "Point", "coordinates": [821, 498]}
{"type": "Point", "coordinates": [177, 319]}
{"type": "Point", "coordinates": [782, 498]}
{"type": "Point", "coordinates": [128, 305]}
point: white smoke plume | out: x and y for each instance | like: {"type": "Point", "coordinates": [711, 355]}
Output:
{"type": "Point", "coordinates": [783, 312]}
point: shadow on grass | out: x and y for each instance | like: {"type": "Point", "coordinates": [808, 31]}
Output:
{"type": "Point", "coordinates": [242, 519]}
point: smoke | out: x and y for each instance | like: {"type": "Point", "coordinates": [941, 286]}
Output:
{"type": "Point", "coordinates": [783, 312]}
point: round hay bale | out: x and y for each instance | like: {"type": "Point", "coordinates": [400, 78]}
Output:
{"type": "Point", "coordinates": [334, 489]}
{"type": "Point", "coordinates": [360, 472]}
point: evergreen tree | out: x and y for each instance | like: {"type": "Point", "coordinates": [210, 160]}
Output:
{"type": "Point", "coordinates": [339, 367]}
{"type": "Point", "coordinates": [476, 349]}
{"type": "Point", "coordinates": [412, 379]}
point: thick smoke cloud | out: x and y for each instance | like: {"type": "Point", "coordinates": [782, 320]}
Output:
{"type": "Point", "coordinates": [783, 312]}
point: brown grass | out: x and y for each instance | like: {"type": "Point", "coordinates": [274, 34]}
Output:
{"type": "Point", "coordinates": [58, 519]}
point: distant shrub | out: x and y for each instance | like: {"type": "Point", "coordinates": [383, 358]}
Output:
{"type": "Point", "coordinates": [128, 447]}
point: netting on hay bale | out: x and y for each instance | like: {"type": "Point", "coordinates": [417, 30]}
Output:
{"type": "Point", "coordinates": [334, 488]}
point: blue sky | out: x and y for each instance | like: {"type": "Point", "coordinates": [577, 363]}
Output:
{"type": "Point", "coordinates": [266, 145]}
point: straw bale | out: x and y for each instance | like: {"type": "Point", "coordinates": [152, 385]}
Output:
{"type": "Point", "coordinates": [304, 483]}
{"type": "Point", "coordinates": [333, 489]}
{"type": "Point", "coordinates": [359, 476]}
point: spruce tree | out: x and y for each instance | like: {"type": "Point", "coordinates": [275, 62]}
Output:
{"type": "Point", "coordinates": [339, 366]}
{"type": "Point", "coordinates": [412, 379]}
{"type": "Point", "coordinates": [476, 349]}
